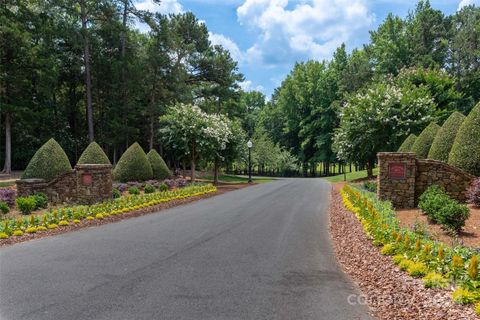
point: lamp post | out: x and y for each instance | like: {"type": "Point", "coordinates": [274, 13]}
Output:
{"type": "Point", "coordinates": [249, 145]}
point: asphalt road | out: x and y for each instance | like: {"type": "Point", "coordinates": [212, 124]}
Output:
{"type": "Point", "coordinates": [262, 252]}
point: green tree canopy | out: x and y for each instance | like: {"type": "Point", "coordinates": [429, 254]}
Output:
{"type": "Point", "coordinates": [378, 119]}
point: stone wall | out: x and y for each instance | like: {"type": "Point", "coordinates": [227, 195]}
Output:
{"type": "Point", "coordinates": [453, 180]}
{"type": "Point", "coordinates": [403, 178]}
{"type": "Point", "coordinates": [86, 184]}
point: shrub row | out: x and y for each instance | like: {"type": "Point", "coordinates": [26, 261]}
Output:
{"type": "Point", "coordinates": [408, 144]}
{"type": "Point", "coordinates": [456, 142]}
{"type": "Point", "coordinates": [135, 165]}
{"type": "Point", "coordinates": [443, 210]}
{"type": "Point", "coordinates": [73, 215]}
{"type": "Point", "coordinates": [50, 161]}
{"type": "Point", "coordinates": [415, 253]}
{"type": "Point", "coordinates": [28, 204]}
{"type": "Point", "coordinates": [443, 142]}
{"type": "Point", "coordinates": [424, 141]}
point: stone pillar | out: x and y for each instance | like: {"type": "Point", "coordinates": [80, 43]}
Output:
{"type": "Point", "coordinates": [396, 178]}
{"type": "Point", "coordinates": [94, 183]}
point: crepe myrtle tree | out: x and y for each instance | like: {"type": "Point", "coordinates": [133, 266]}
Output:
{"type": "Point", "coordinates": [188, 130]}
{"type": "Point", "coordinates": [379, 118]}
{"type": "Point", "coordinates": [230, 149]}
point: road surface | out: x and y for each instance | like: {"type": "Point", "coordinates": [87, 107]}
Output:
{"type": "Point", "coordinates": [262, 252]}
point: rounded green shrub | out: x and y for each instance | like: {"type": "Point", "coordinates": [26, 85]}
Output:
{"type": "Point", "coordinates": [133, 190]}
{"type": "Point", "coordinates": [116, 194]}
{"type": "Point", "coordinates": [4, 208]}
{"type": "Point", "coordinates": [443, 142]}
{"type": "Point", "coordinates": [422, 144]}
{"type": "Point", "coordinates": [41, 200]}
{"type": "Point", "coordinates": [133, 165]}
{"type": "Point", "coordinates": [93, 154]}
{"type": "Point", "coordinates": [48, 162]}
{"type": "Point", "coordinates": [149, 188]}
{"type": "Point", "coordinates": [26, 204]}
{"type": "Point", "coordinates": [159, 167]}
{"type": "Point", "coordinates": [408, 143]}
{"type": "Point", "coordinates": [465, 153]}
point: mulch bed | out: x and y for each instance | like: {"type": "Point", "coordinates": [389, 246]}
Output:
{"type": "Point", "coordinates": [137, 213]}
{"type": "Point", "coordinates": [470, 235]}
{"type": "Point", "coordinates": [389, 292]}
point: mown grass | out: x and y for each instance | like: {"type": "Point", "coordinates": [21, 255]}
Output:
{"type": "Point", "coordinates": [4, 184]}
{"type": "Point", "coordinates": [350, 176]}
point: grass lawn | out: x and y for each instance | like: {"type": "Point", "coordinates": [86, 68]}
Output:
{"type": "Point", "coordinates": [9, 183]}
{"type": "Point", "coordinates": [225, 178]}
{"type": "Point", "coordinates": [351, 176]}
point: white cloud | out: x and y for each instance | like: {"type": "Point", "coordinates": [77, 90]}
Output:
{"type": "Point", "coordinates": [226, 43]}
{"type": "Point", "coordinates": [311, 29]}
{"type": "Point", "coordinates": [465, 3]}
{"type": "Point", "coordinates": [247, 85]}
{"type": "Point", "coordinates": [165, 6]}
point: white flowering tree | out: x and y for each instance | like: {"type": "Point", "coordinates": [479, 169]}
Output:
{"type": "Point", "coordinates": [378, 119]}
{"type": "Point", "coordinates": [192, 133]}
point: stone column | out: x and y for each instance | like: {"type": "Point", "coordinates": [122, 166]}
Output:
{"type": "Point", "coordinates": [94, 183]}
{"type": "Point", "coordinates": [396, 178]}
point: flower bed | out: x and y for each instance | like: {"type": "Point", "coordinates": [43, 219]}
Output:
{"type": "Point", "coordinates": [74, 215]}
{"type": "Point", "coordinates": [438, 265]}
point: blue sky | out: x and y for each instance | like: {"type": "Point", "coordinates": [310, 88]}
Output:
{"type": "Point", "coordinates": [267, 37]}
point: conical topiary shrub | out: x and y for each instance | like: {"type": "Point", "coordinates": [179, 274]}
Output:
{"type": "Point", "coordinates": [424, 141]}
{"type": "Point", "coordinates": [159, 167]}
{"type": "Point", "coordinates": [408, 143]}
{"type": "Point", "coordinates": [465, 153]}
{"type": "Point", "coordinates": [93, 154]}
{"type": "Point", "coordinates": [443, 142]}
{"type": "Point", "coordinates": [48, 162]}
{"type": "Point", "coordinates": [133, 165]}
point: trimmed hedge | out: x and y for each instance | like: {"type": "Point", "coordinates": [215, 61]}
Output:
{"type": "Point", "coordinates": [93, 154]}
{"type": "Point", "coordinates": [422, 145]}
{"type": "Point", "coordinates": [465, 153]}
{"type": "Point", "coordinates": [133, 165]}
{"type": "Point", "coordinates": [408, 143]}
{"type": "Point", "coordinates": [443, 142]}
{"type": "Point", "coordinates": [159, 167]}
{"type": "Point", "coordinates": [48, 162]}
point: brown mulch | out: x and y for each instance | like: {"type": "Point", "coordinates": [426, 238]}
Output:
{"type": "Point", "coordinates": [137, 213]}
{"type": "Point", "coordinates": [390, 293]}
{"type": "Point", "coordinates": [470, 236]}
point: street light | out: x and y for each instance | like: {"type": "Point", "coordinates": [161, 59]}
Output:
{"type": "Point", "coordinates": [249, 145]}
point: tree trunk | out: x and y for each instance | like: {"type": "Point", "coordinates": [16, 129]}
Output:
{"type": "Point", "coordinates": [114, 155]}
{"type": "Point", "coordinates": [152, 134]}
{"type": "Point", "coordinates": [7, 168]}
{"type": "Point", "coordinates": [192, 170]}
{"type": "Point", "coordinates": [184, 167]}
{"type": "Point", "coordinates": [192, 165]}
{"type": "Point", "coordinates": [88, 77]}
{"type": "Point", "coordinates": [369, 169]}
{"type": "Point", "coordinates": [215, 172]}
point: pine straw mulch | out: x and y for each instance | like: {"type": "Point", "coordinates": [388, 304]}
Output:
{"type": "Point", "coordinates": [136, 213]}
{"type": "Point", "coordinates": [389, 292]}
